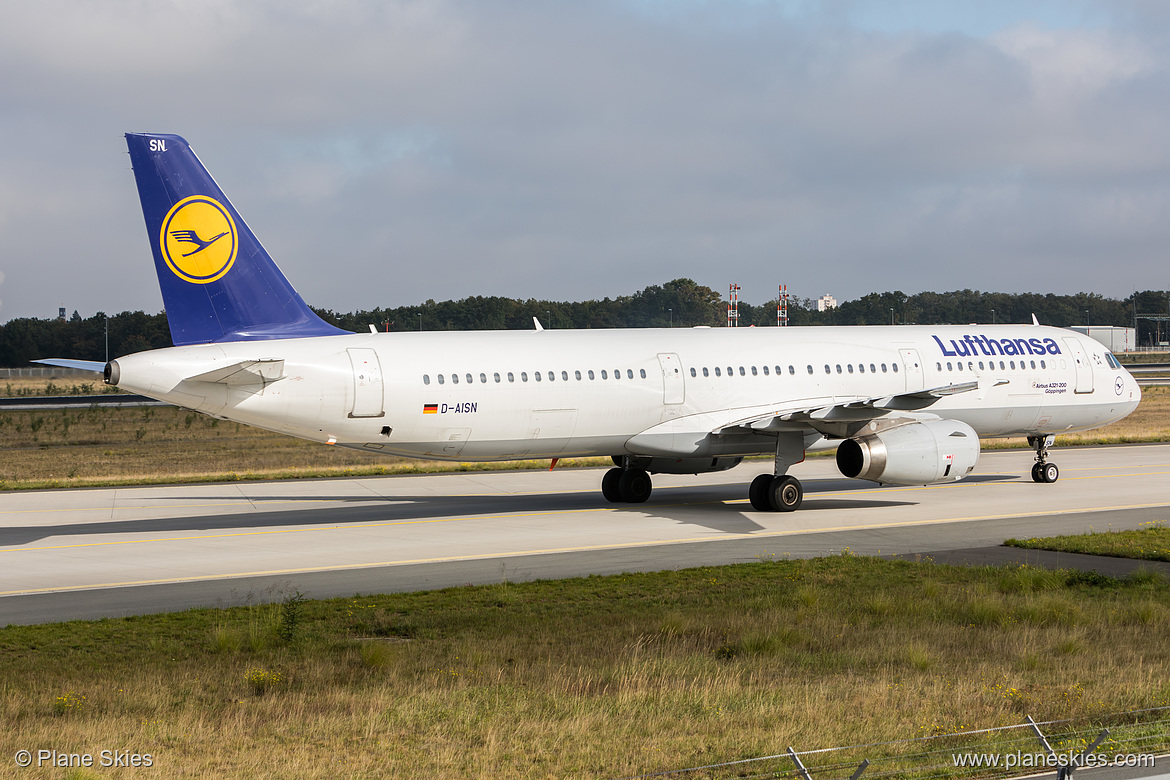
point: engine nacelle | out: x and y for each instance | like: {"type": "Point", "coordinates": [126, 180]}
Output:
{"type": "Point", "coordinates": [683, 465]}
{"type": "Point", "coordinates": [918, 453]}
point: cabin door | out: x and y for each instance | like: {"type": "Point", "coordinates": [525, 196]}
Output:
{"type": "Point", "coordinates": [1081, 360]}
{"type": "Point", "coordinates": [367, 383]}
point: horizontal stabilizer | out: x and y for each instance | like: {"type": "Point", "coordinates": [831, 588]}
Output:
{"type": "Point", "coordinates": [246, 372]}
{"type": "Point", "coordinates": [81, 365]}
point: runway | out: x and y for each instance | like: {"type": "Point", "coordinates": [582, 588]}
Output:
{"type": "Point", "coordinates": [109, 552]}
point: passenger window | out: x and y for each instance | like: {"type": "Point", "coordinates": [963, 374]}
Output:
{"type": "Point", "coordinates": [693, 372]}
{"type": "Point", "coordinates": [426, 379]}
{"type": "Point", "coordinates": [810, 369]}
{"type": "Point", "coordinates": [895, 367]}
{"type": "Point", "coordinates": [717, 371]}
{"type": "Point", "coordinates": [511, 377]}
{"type": "Point", "coordinates": [523, 376]}
{"type": "Point", "coordinates": [469, 379]}
{"type": "Point", "coordinates": [949, 366]}
{"type": "Point", "coordinates": [828, 369]}
{"type": "Point", "coordinates": [884, 368]}
{"type": "Point", "coordinates": [440, 378]}
{"type": "Point", "coordinates": [454, 379]}
{"type": "Point", "coordinates": [642, 372]}
{"type": "Point", "coordinates": [861, 367]}
{"type": "Point", "coordinates": [980, 365]}
{"type": "Point", "coordinates": [754, 372]}
{"type": "Point", "coordinates": [551, 376]}
{"type": "Point", "coordinates": [765, 370]}
{"type": "Point", "coordinates": [1033, 363]}
{"type": "Point", "coordinates": [1013, 364]}
{"type": "Point", "coordinates": [483, 379]}
{"type": "Point", "coordinates": [536, 375]}
{"type": "Point", "coordinates": [591, 373]}
{"type": "Point", "coordinates": [617, 374]}
{"type": "Point", "coordinates": [872, 368]}
{"type": "Point", "coordinates": [959, 366]}
{"type": "Point", "coordinates": [705, 371]}
{"type": "Point", "coordinates": [850, 367]}
{"type": "Point", "coordinates": [938, 366]}
{"type": "Point", "coordinates": [577, 374]}
{"type": "Point", "coordinates": [604, 375]}
{"type": "Point", "coordinates": [792, 369]}
{"type": "Point", "coordinates": [1002, 367]}
{"type": "Point", "coordinates": [1042, 365]}
{"type": "Point", "coordinates": [742, 372]}
{"type": "Point", "coordinates": [730, 372]}
{"type": "Point", "coordinates": [496, 376]}
{"type": "Point", "coordinates": [838, 368]}
{"type": "Point", "coordinates": [629, 373]}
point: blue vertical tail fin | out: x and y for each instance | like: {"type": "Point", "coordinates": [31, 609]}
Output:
{"type": "Point", "coordinates": [218, 283]}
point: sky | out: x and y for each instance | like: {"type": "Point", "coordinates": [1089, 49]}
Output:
{"type": "Point", "coordinates": [386, 153]}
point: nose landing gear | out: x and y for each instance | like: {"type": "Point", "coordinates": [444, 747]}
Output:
{"type": "Point", "coordinates": [1042, 470]}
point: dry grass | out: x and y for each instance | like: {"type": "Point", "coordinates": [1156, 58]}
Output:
{"type": "Point", "coordinates": [151, 445]}
{"type": "Point", "coordinates": [68, 385]}
{"type": "Point", "coordinates": [597, 677]}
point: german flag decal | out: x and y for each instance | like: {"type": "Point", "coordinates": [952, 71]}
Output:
{"type": "Point", "coordinates": [430, 408]}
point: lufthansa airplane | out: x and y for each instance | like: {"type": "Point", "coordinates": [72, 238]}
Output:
{"type": "Point", "coordinates": [903, 405]}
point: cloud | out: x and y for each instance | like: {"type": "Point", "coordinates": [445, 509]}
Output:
{"type": "Point", "coordinates": [391, 152]}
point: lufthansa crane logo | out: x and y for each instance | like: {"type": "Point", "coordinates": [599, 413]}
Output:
{"type": "Point", "coordinates": [199, 239]}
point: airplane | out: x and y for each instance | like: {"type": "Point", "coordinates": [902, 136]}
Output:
{"type": "Point", "coordinates": [903, 405]}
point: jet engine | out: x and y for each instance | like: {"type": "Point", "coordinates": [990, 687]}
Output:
{"type": "Point", "coordinates": [917, 453]}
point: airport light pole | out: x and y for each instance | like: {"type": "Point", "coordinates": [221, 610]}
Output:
{"type": "Point", "coordinates": [671, 317]}
{"type": "Point", "coordinates": [420, 322]}
{"type": "Point", "coordinates": [993, 316]}
{"type": "Point", "coordinates": [891, 315]}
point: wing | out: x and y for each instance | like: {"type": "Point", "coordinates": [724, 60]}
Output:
{"type": "Point", "coordinates": [832, 416]}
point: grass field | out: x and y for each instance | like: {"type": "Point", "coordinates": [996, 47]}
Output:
{"type": "Point", "coordinates": [150, 445]}
{"type": "Point", "coordinates": [596, 677]}
{"type": "Point", "coordinates": [1147, 544]}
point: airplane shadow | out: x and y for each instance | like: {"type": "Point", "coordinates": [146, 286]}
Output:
{"type": "Point", "coordinates": [696, 506]}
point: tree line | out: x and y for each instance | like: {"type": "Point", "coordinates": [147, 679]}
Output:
{"type": "Point", "coordinates": [678, 303]}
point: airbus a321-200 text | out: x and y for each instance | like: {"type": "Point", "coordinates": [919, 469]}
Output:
{"type": "Point", "coordinates": [904, 405]}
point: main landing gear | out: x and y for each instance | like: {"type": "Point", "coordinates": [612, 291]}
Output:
{"type": "Point", "coordinates": [780, 491]}
{"type": "Point", "coordinates": [770, 493]}
{"type": "Point", "coordinates": [1042, 470]}
{"type": "Point", "coordinates": [626, 485]}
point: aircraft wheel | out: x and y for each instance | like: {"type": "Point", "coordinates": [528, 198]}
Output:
{"type": "Point", "coordinates": [786, 493]}
{"type": "Point", "coordinates": [758, 493]}
{"type": "Point", "coordinates": [1051, 472]}
{"type": "Point", "coordinates": [1037, 472]}
{"type": "Point", "coordinates": [609, 486]}
{"type": "Point", "coordinates": [635, 485]}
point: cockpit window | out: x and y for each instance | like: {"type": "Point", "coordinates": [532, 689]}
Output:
{"type": "Point", "coordinates": [1112, 361]}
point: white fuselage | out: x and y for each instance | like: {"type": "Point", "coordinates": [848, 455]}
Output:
{"type": "Point", "coordinates": [499, 395]}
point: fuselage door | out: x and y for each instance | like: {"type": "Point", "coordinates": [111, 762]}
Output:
{"type": "Point", "coordinates": [367, 382]}
{"type": "Point", "coordinates": [913, 366]}
{"type": "Point", "coordinates": [674, 389]}
{"type": "Point", "coordinates": [1081, 361]}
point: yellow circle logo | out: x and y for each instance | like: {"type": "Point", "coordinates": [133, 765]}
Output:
{"type": "Point", "coordinates": [198, 239]}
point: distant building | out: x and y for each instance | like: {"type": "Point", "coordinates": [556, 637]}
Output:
{"type": "Point", "coordinates": [1117, 339]}
{"type": "Point", "coordinates": [61, 314]}
{"type": "Point", "coordinates": [826, 302]}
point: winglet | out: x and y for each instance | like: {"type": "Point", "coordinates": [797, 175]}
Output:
{"type": "Point", "coordinates": [536, 322]}
{"type": "Point", "coordinates": [1034, 320]}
